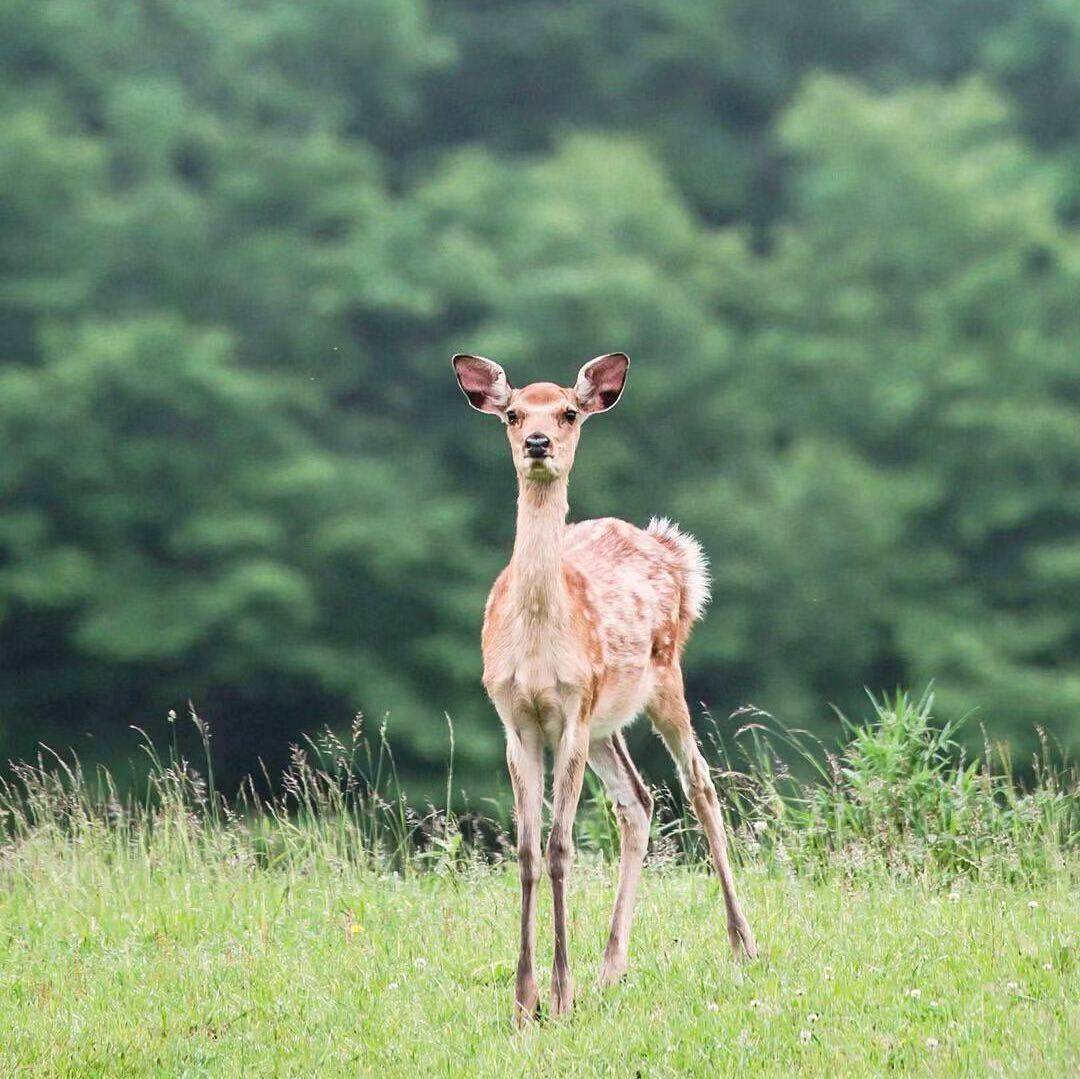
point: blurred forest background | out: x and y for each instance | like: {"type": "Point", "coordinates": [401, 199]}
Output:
{"type": "Point", "coordinates": [240, 239]}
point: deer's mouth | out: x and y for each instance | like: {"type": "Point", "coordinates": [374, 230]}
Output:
{"type": "Point", "coordinates": [540, 466]}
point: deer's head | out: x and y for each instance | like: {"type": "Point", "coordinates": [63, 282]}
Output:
{"type": "Point", "coordinates": [543, 421]}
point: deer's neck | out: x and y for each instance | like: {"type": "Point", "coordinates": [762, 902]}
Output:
{"type": "Point", "coordinates": [536, 581]}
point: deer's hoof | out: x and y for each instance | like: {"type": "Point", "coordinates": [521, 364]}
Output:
{"type": "Point", "coordinates": [526, 1004]}
{"type": "Point", "coordinates": [612, 970]}
{"type": "Point", "coordinates": [743, 945]}
{"type": "Point", "coordinates": [562, 998]}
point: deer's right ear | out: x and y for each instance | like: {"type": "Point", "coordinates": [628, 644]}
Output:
{"type": "Point", "coordinates": [483, 382]}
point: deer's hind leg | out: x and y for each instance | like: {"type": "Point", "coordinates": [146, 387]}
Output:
{"type": "Point", "coordinates": [670, 716]}
{"type": "Point", "coordinates": [609, 759]}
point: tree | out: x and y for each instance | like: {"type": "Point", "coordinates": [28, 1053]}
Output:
{"type": "Point", "coordinates": [911, 330]}
{"type": "Point", "coordinates": [242, 239]}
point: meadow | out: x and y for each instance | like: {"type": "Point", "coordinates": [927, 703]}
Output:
{"type": "Point", "coordinates": [916, 912]}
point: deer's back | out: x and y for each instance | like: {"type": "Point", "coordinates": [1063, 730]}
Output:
{"type": "Point", "coordinates": [635, 584]}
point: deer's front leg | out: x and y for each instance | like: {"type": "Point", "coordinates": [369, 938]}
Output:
{"type": "Point", "coordinates": [524, 756]}
{"type": "Point", "coordinates": [571, 753]}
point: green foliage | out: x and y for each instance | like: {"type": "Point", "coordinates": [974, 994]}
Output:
{"type": "Point", "coordinates": [911, 329]}
{"type": "Point", "coordinates": [241, 241]}
{"type": "Point", "coordinates": [900, 793]}
{"type": "Point", "coordinates": [897, 795]}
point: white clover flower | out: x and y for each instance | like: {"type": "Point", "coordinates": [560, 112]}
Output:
{"type": "Point", "coordinates": [813, 1017]}
{"type": "Point", "coordinates": [1033, 905]}
{"type": "Point", "coordinates": [420, 962]}
{"type": "Point", "coordinates": [755, 1003]}
{"type": "Point", "coordinates": [392, 986]}
{"type": "Point", "coordinates": [914, 994]}
{"type": "Point", "coordinates": [931, 1043]}
{"type": "Point", "coordinates": [805, 1036]}
{"type": "Point", "coordinates": [712, 1006]}
{"type": "Point", "coordinates": [1012, 986]}
{"type": "Point", "coordinates": [1048, 966]}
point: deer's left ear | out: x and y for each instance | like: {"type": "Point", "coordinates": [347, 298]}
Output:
{"type": "Point", "coordinates": [600, 382]}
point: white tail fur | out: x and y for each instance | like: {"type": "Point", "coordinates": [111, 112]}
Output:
{"type": "Point", "coordinates": [697, 591]}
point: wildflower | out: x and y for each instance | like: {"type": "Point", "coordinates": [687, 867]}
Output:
{"type": "Point", "coordinates": [419, 962]}
{"type": "Point", "coordinates": [933, 1004]}
{"type": "Point", "coordinates": [954, 897]}
{"type": "Point", "coordinates": [805, 1036]}
{"type": "Point", "coordinates": [813, 1017]}
{"type": "Point", "coordinates": [354, 928]}
{"type": "Point", "coordinates": [712, 1006]}
{"type": "Point", "coordinates": [760, 826]}
{"type": "Point", "coordinates": [800, 992]}
{"type": "Point", "coordinates": [1048, 966]}
{"type": "Point", "coordinates": [392, 986]}
{"type": "Point", "coordinates": [755, 1003]}
{"type": "Point", "coordinates": [931, 1043]}
{"type": "Point", "coordinates": [1033, 905]}
{"type": "Point", "coordinates": [1012, 986]}
{"type": "Point", "coordinates": [914, 994]}
{"type": "Point", "coordinates": [827, 973]}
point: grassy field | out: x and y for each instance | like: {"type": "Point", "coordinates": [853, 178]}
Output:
{"type": "Point", "coordinates": [232, 972]}
{"type": "Point", "coordinates": [917, 913]}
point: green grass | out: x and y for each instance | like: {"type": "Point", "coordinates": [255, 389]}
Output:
{"type": "Point", "coordinates": [916, 910]}
{"type": "Point", "coordinates": [231, 971]}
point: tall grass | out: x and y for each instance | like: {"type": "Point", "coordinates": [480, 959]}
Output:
{"type": "Point", "coordinates": [903, 793]}
{"type": "Point", "coordinates": [899, 793]}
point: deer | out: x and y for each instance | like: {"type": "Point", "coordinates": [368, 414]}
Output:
{"type": "Point", "coordinates": [583, 630]}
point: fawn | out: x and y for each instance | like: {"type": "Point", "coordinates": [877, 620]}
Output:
{"type": "Point", "coordinates": [583, 630]}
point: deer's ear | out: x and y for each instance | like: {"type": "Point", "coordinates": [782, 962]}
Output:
{"type": "Point", "coordinates": [483, 382]}
{"type": "Point", "coordinates": [600, 382]}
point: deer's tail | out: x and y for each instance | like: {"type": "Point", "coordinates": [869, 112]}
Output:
{"type": "Point", "coordinates": [696, 577]}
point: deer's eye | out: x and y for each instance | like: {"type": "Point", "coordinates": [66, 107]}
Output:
{"type": "Point", "coordinates": [571, 415]}
{"type": "Point", "coordinates": [511, 417]}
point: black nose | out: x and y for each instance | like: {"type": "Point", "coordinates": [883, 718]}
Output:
{"type": "Point", "coordinates": [537, 445]}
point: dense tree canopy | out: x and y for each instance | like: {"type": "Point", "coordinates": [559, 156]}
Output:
{"type": "Point", "coordinates": [241, 240]}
